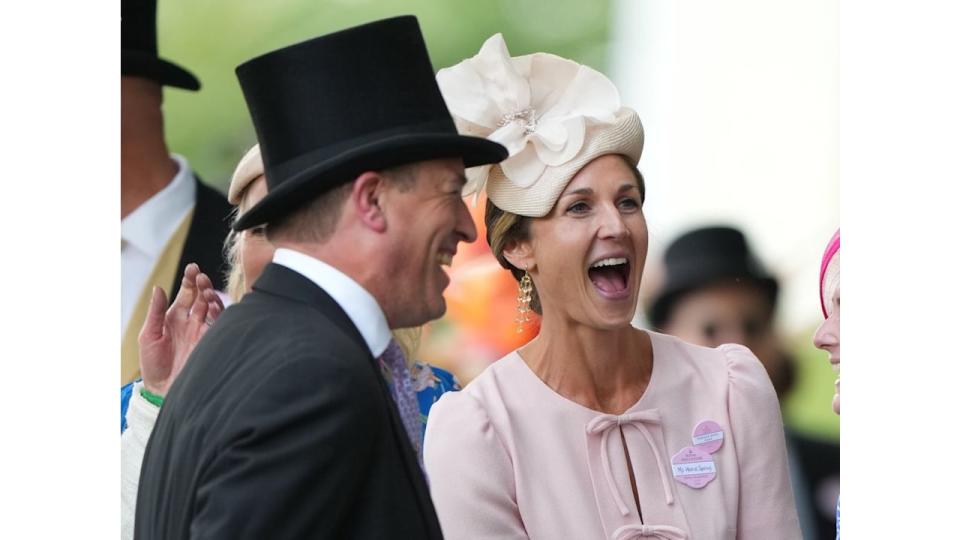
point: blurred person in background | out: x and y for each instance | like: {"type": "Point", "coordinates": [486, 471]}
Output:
{"type": "Point", "coordinates": [717, 291]}
{"type": "Point", "coordinates": [827, 336]}
{"type": "Point", "coordinates": [169, 335]}
{"type": "Point", "coordinates": [168, 218]}
{"type": "Point", "coordinates": [594, 429]}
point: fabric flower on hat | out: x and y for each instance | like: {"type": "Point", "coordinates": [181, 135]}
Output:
{"type": "Point", "coordinates": [537, 106]}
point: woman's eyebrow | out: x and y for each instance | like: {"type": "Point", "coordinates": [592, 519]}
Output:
{"type": "Point", "coordinates": [581, 191]}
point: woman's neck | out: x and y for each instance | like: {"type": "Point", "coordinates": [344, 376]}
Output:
{"type": "Point", "coordinates": [605, 370]}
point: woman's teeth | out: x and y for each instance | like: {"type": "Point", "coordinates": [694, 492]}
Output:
{"type": "Point", "coordinates": [612, 261]}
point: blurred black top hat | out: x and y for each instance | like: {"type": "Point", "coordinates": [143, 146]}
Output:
{"type": "Point", "coordinates": [330, 108]}
{"type": "Point", "coordinates": [703, 257]}
{"type": "Point", "coordinates": [138, 46]}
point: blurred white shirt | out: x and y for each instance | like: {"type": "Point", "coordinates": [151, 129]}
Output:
{"type": "Point", "coordinates": [145, 232]}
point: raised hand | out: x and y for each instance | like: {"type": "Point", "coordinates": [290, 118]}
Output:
{"type": "Point", "coordinates": [168, 336]}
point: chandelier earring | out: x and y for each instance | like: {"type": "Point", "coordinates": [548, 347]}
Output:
{"type": "Point", "coordinates": [524, 295]}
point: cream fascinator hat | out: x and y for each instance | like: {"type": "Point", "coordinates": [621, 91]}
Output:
{"type": "Point", "coordinates": [248, 170]}
{"type": "Point", "coordinates": [552, 114]}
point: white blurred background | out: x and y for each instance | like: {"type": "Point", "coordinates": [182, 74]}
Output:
{"type": "Point", "coordinates": [739, 102]}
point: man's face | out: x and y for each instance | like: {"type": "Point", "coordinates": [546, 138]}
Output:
{"type": "Point", "coordinates": [426, 219]}
{"type": "Point", "coordinates": [725, 313]}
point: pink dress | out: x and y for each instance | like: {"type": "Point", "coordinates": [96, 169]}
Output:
{"type": "Point", "coordinates": [510, 458]}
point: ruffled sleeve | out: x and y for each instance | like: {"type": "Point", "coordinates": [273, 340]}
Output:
{"type": "Point", "coordinates": [470, 473]}
{"type": "Point", "coordinates": [766, 506]}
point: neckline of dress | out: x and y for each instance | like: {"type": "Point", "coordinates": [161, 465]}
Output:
{"type": "Point", "coordinates": [654, 338]}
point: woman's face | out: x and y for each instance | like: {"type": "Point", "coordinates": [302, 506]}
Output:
{"type": "Point", "coordinates": [828, 339]}
{"type": "Point", "coordinates": [255, 251]}
{"type": "Point", "coordinates": [586, 257]}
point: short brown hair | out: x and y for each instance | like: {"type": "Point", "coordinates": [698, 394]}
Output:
{"type": "Point", "coordinates": [504, 227]}
{"type": "Point", "coordinates": [316, 220]}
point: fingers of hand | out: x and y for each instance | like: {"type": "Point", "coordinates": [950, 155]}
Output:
{"type": "Point", "coordinates": [152, 328]}
{"type": "Point", "coordinates": [188, 287]}
{"type": "Point", "coordinates": [199, 309]}
{"type": "Point", "coordinates": [203, 282]}
{"type": "Point", "coordinates": [214, 306]}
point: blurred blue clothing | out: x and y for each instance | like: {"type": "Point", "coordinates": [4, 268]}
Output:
{"type": "Point", "coordinates": [430, 383]}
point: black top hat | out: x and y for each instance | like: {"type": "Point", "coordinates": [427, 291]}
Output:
{"type": "Point", "coordinates": [362, 99]}
{"type": "Point", "coordinates": [705, 256]}
{"type": "Point", "coordinates": [138, 47]}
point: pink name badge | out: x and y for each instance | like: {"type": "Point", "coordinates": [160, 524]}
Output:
{"type": "Point", "coordinates": [693, 467]}
{"type": "Point", "coordinates": [708, 436]}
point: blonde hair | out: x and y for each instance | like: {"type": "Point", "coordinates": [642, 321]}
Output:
{"type": "Point", "coordinates": [236, 282]}
{"type": "Point", "coordinates": [409, 341]}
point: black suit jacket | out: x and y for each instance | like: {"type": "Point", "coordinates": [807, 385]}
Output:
{"type": "Point", "coordinates": [204, 244]}
{"type": "Point", "coordinates": [281, 426]}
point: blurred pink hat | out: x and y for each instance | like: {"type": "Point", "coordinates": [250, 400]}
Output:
{"type": "Point", "coordinates": [830, 272]}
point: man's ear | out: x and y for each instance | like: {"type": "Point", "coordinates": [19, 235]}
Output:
{"type": "Point", "coordinates": [366, 197]}
{"type": "Point", "coordinates": [519, 253]}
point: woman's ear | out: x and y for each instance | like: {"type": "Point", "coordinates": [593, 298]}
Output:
{"type": "Point", "coordinates": [519, 253]}
{"type": "Point", "coordinates": [366, 197]}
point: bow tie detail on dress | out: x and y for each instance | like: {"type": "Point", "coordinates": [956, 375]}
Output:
{"type": "Point", "coordinates": [605, 424]}
{"type": "Point", "coordinates": [403, 394]}
{"type": "Point", "coordinates": [663, 532]}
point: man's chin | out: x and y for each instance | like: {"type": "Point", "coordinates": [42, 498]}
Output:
{"type": "Point", "coordinates": [437, 309]}
{"type": "Point", "coordinates": [424, 313]}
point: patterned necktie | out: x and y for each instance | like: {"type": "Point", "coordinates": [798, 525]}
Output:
{"type": "Point", "coordinates": [403, 394]}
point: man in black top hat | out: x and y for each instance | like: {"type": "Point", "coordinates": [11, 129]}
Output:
{"type": "Point", "coordinates": [716, 291]}
{"type": "Point", "coordinates": [282, 424]}
{"type": "Point", "coordinates": [168, 217]}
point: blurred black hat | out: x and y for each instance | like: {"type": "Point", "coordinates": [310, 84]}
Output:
{"type": "Point", "coordinates": [703, 257]}
{"type": "Point", "coordinates": [330, 108]}
{"type": "Point", "coordinates": [138, 47]}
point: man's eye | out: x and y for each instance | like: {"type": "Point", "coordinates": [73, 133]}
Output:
{"type": "Point", "coordinates": [709, 330]}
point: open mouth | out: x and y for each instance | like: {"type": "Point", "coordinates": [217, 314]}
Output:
{"type": "Point", "coordinates": [610, 275]}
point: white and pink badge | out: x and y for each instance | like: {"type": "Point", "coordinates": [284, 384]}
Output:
{"type": "Point", "coordinates": [694, 466]}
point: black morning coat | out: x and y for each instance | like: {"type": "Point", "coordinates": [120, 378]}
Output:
{"type": "Point", "coordinates": [204, 243]}
{"type": "Point", "coordinates": [281, 427]}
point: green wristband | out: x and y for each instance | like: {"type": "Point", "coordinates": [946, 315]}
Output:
{"type": "Point", "coordinates": [151, 397]}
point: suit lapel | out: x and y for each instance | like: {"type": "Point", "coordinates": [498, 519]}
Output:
{"type": "Point", "coordinates": [204, 245]}
{"type": "Point", "coordinates": [282, 281]}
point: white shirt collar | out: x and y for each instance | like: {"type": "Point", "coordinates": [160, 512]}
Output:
{"type": "Point", "coordinates": [151, 225]}
{"type": "Point", "coordinates": [359, 305]}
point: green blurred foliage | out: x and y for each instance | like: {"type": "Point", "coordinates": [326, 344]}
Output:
{"type": "Point", "coordinates": [808, 406]}
{"type": "Point", "coordinates": [211, 37]}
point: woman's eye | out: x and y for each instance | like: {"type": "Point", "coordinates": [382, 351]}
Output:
{"type": "Point", "coordinates": [258, 231]}
{"type": "Point", "coordinates": [578, 208]}
{"type": "Point", "coordinates": [629, 204]}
